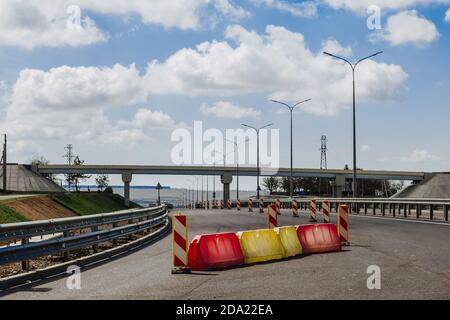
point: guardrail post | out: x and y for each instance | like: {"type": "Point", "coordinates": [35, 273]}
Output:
{"type": "Point", "coordinates": [393, 209]}
{"type": "Point", "coordinates": [418, 213]}
{"type": "Point", "coordinates": [365, 207]}
{"type": "Point", "coordinates": [390, 208]}
{"type": "Point", "coordinates": [95, 246]}
{"type": "Point", "coordinates": [409, 209]}
{"type": "Point", "coordinates": [26, 263]}
{"type": "Point", "coordinates": [66, 254]}
{"type": "Point", "coordinates": [115, 241]}
{"type": "Point", "coordinates": [446, 212]}
{"type": "Point", "coordinates": [405, 210]}
{"type": "Point", "coordinates": [431, 212]}
{"type": "Point", "coordinates": [374, 208]}
{"type": "Point", "coordinates": [383, 208]}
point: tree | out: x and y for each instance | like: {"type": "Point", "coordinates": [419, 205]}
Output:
{"type": "Point", "coordinates": [271, 183]}
{"type": "Point", "coordinates": [74, 178]}
{"type": "Point", "coordinates": [38, 160]}
{"type": "Point", "coordinates": [102, 181]}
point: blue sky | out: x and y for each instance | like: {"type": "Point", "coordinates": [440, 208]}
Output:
{"type": "Point", "coordinates": [403, 97]}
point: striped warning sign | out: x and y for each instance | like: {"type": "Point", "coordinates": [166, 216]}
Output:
{"type": "Point", "coordinates": [343, 223]}
{"type": "Point", "coordinates": [326, 211]}
{"type": "Point", "coordinates": [180, 245]}
{"type": "Point", "coordinates": [278, 203]}
{"type": "Point", "coordinates": [294, 208]}
{"type": "Point", "coordinates": [312, 210]}
{"type": "Point", "coordinates": [273, 216]}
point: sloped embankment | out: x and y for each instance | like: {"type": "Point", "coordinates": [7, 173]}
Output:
{"type": "Point", "coordinates": [38, 208]}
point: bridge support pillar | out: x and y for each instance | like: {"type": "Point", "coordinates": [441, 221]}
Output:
{"type": "Point", "coordinates": [126, 178]}
{"type": "Point", "coordinates": [339, 186]}
{"type": "Point", "coordinates": [226, 179]}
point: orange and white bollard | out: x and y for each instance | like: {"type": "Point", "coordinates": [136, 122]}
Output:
{"type": "Point", "coordinates": [295, 208]}
{"type": "Point", "coordinates": [343, 224]}
{"type": "Point", "coordinates": [180, 244]}
{"type": "Point", "coordinates": [221, 204]}
{"type": "Point", "coordinates": [250, 205]}
{"type": "Point", "coordinates": [312, 211]}
{"type": "Point", "coordinates": [278, 203]}
{"type": "Point", "coordinates": [326, 211]}
{"type": "Point", "coordinates": [273, 216]}
{"type": "Point", "coordinates": [261, 205]}
{"type": "Point", "coordinates": [238, 204]}
{"type": "Point", "coordinates": [229, 205]}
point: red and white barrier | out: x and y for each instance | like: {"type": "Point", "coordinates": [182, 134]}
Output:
{"type": "Point", "coordinates": [273, 216]}
{"type": "Point", "coordinates": [261, 205]}
{"type": "Point", "coordinates": [250, 205]}
{"type": "Point", "coordinates": [295, 208]}
{"type": "Point", "coordinates": [238, 204]}
{"type": "Point", "coordinates": [278, 203]}
{"type": "Point", "coordinates": [312, 211]}
{"type": "Point", "coordinates": [343, 224]}
{"type": "Point", "coordinates": [326, 211]}
{"type": "Point", "coordinates": [180, 243]}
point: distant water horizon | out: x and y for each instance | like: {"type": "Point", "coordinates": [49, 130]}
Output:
{"type": "Point", "coordinates": [176, 196]}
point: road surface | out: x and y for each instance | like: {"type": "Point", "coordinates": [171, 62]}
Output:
{"type": "Point", "coordinates": [414, 259]}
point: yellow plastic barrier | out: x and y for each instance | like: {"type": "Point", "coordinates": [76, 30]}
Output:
{"type": "Point", "coordinates": [290, 241]}
{"type": "Point", "coordinates": [261, 245]}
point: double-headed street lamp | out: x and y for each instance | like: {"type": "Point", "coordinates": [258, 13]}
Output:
{"type": "Point", "coordinates": [291, 110]}
{"type": "Point", "coordinates": [353, 66]}
{"type": "Point", "coordinates": [257, 153]}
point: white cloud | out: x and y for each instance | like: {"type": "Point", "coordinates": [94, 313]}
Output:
{"type": "Point", "coordinates": [407, 27]}
{"type": "Point", "coordinates": [28, 25]}
{"type": "Point", "coordinates": [277, 63]}
{"type": "Point", "coordinates": [447, 16]}
{"type": "Point", "coordinates": [148, 119]}
{"type": "Point", "coordinates": [35, 23]}
{"type": "Point", "coordinates": [298, 9]}
{"type": "Point", "coordinates": [228, 110]}
{"type": "Point", "coordinates": [418, 155]}
{"type": "Point", "coordinates": [72, 102]}
{"type": "Point", "coordinates": [360, 6]}
{"type": "Point", "coordinates": [332, 45]}
{"type": "Point", "coordinates": [365, 148]}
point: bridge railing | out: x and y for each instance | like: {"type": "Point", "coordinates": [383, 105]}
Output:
{"type": "Point", "coordinates": [429, 209]}
{"type": "Point", "coordinates": [64, 235]}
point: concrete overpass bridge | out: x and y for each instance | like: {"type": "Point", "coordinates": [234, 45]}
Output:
{"type": "Point", "coordinates": [227, 173]}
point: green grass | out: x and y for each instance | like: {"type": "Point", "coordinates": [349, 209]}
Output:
{"type": "Point", "coordinates": [8, 215]}
{"type": "Point", "coordinates": [91, 203]}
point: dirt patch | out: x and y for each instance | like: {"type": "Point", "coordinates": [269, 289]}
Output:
{"type": "Point", "coordinates": [39, 208]}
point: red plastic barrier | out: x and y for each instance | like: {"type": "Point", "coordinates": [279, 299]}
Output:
{"type": "Point", "coordinates": [317, 238]}
{"type": "Point", "coordinates": [215, 251]}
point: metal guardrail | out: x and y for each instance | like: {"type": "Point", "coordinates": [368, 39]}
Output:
{"type": "Point", "coordinates": [136, 220]}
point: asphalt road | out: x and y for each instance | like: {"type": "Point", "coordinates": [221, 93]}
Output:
{"type": "Point", "coordinates": [414, 259]}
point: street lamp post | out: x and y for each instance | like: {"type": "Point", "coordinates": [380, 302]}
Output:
{"type": "Point", "coordinates": [353, 66]}
{"type": "Point", "coordinates": [291, 110]}
{"type": "Point", "coordinates": [257, 154]}
{"type": "Point", "coordinates": [236, 155]}
{"type": "Point", "coordinates": [159, 187]}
